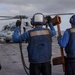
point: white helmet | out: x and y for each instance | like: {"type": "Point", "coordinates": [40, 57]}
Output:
{"type": "Point", "coordinates": [38, 19]}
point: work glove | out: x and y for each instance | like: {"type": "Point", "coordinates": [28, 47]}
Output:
{"type": "Point", "coordinates": [48, 19]}
{"type": "Point", "coordinates": [18, 23]}
{"type": "Point", "coordinates": [59, 36]}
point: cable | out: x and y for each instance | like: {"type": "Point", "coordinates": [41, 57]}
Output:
{"type": "Point", "coordinates": [22, 57]}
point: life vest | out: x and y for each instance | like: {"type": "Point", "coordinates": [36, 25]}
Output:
{"type": "Point", "coordinates": [40, 46]}
{"type": "Point", "coordinates": [70, 48]}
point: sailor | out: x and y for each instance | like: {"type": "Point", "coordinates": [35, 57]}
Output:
{"type": "Point", "coordinates": [67, 41]}
{"type": "Point", "coordinates": [39, 44]}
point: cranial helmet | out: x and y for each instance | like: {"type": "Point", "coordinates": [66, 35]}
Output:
{"type": "Point", "coordinates": [72, 20]}
{"type": "Point", "coordinates": [37, 19]}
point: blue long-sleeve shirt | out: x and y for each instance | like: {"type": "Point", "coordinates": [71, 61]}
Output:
{"type": "Point", "coordinates": [63, 41]}
{"type": "Point", "coordinates": [25, 35]}
{"type": "Point", "coordinates": [39, 47]}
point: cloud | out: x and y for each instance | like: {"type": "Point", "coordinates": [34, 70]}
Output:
{"type": "Point", "coordinates": [44, 6]}
{"type": "Point", "coordinates": [30, 7]}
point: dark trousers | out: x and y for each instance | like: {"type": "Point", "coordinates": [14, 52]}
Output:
{"type": "Point", "coordinates": [70, 66]}
{"type": "Point", "coordinates": [0, 67]}
{"type": "Point", "coordinates": [40, 68]}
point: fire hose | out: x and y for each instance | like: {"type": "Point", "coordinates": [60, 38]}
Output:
{"type": "Point", "coordinates": [22, 57]}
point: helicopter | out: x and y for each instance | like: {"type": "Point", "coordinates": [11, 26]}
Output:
{"type": "Point", "coordinates": [8, 30]}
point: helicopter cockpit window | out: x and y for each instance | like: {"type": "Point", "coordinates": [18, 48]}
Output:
{"type": "Point", "coordinates": [5, 28]}
{"type": "Point", "coordinates": [8, 28]}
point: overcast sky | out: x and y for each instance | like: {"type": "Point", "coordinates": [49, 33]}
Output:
{"type": "Point", "coordinates": [30, 7]}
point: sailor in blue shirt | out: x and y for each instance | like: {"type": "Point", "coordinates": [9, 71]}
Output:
{"type": "Point", "coordinates": [67, 41]}
{"type": "Point", "coordinates": [39, 45]}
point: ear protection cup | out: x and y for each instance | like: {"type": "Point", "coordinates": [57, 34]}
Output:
{"type": "Point", "coordinates": [72, 20]}
{"type": "Point", "coordinates": [31, 21]}
{"type": "Point", "coordinates": [37, 19]}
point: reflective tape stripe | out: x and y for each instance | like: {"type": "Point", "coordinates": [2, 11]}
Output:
{"type": "Point", "coordinates": [72, 30]}
{"type": "Point", "coordinates": [41, 32]}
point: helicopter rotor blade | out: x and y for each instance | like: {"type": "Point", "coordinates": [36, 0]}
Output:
{"type": "Point", "coordinates": [7, 19]}
{"type": "Point", "coordinates": [20, 17]}
{"type": "Point", "coordinates": [6, 16]}
{"type": "Point", "coordinates": [62, 14]}
{"type": "Point", "coordinates": [15, 17]}
{"type": "Point", "coordinates": [25, 17]}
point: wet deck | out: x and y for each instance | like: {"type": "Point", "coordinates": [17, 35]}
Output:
{"type": "Point", "coordinates": [11, 61]}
